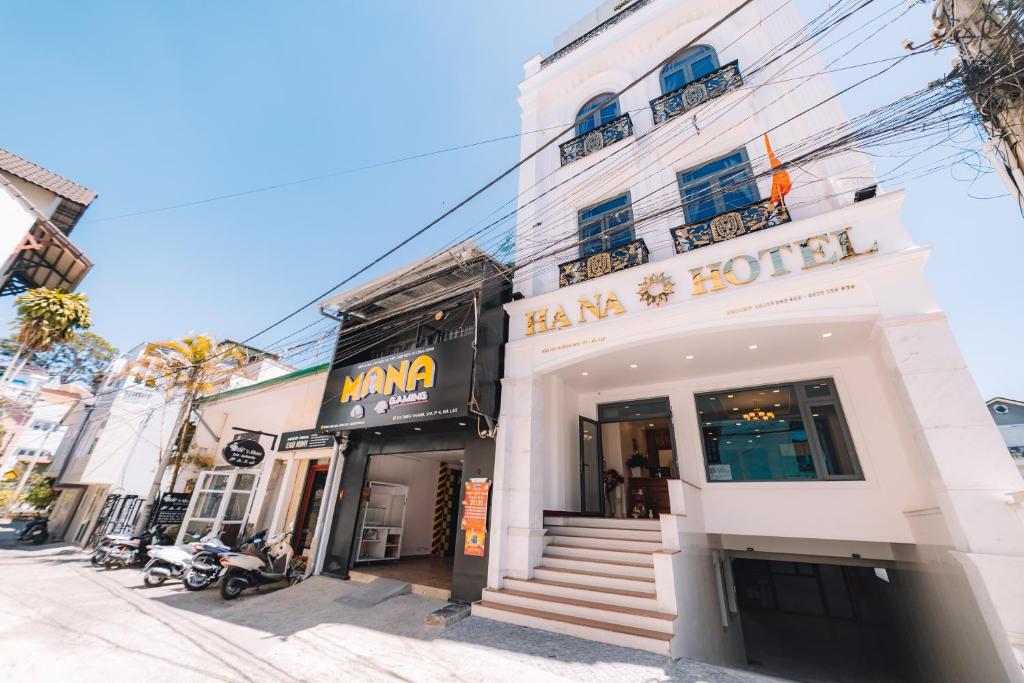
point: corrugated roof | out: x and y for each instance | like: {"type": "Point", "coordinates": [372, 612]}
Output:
{"type": "Point", "coordinates": [33, 173]}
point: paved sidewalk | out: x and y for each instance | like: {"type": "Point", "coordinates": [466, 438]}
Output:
{"type": "Point", "coordinates": [60, 619]}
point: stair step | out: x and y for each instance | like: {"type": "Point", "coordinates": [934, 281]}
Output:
{"type": "Point", "coordinates": [631, 569]}
{"type": "Point", "coordinates": [599, 554]}
{"type": "Point", "coordinates": [605, 522]}
{"type": "Point", "coordinates": [571, 607]}
{"type": "Point", "coordinates": [653, 535]}
{"type": "Point", "coordinates": [601, 594]}
{"type": "Point", "coordinates": [609, 543]}
{"type": "Point", "coordinates": [636, 583]}
{"type": "Point", "coordinates": [590, 629]}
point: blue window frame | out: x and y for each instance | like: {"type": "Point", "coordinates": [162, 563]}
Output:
{"type": "Point", "coordinates": [687, 66]}
{"type": "Point", "coordinates": [598, 111]}
{"type": "Point", "coordinates": [718, 186]}
{"type": "Point", "coordinates": [606, 225]}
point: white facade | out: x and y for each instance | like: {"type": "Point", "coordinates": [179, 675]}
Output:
{"type": "Point", "coordinates": [287, 403]}
{"type": "Point", "coordinates": [839, 292]}
{"type": "Point", "coordinates": [44, 430]}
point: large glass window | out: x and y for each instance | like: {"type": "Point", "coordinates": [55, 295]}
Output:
{"type": "Point", "coordinates": [717, 187]}
{"type": "Point", "coordinates": [597, 112]}
{"type": "Point", "coordinates": [784, 432]}
{"type": "Point", "coordinates": [606, 226]}
{"type": "Point", "coordinates": [687, 66]}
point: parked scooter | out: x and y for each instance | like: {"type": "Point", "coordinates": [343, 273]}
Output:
{"type": "Point", "coordinates": [172, 561]}
{"type": "Point", "coordinates": [269, 561]}
{"type": "Point", "coordinates": [135, 551]}
{"type": "Point", "coordinates": [36, 531]}
{"type": "Point", "coordinates": [206, 568]}
{"type": "Point", "coordinates": [99, 553]}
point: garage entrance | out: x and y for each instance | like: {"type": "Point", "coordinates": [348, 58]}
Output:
{"type": "Point", "coordinates": [821, 622]}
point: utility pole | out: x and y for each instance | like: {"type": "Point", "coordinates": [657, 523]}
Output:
{"type": "Point", "coordinates": [988, 36]}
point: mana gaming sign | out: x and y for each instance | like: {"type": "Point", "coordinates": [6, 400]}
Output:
{"type": "Point", "coordinates": [428, 383]}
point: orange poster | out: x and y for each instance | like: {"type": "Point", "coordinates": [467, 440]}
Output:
{"type": "Point", "coordinates": [474, 516]}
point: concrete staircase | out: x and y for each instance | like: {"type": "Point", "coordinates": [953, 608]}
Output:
{"type": "Point", "coordinates": [595, 581]}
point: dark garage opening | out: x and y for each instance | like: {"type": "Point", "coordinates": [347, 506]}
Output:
{"type": "Point", "coordinates": [820, 622]}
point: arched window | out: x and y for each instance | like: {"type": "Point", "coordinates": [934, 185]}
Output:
{"type": "Point", "coordinates": [598, 111]}
{"type": "Point", "coordinates": [687, 66]}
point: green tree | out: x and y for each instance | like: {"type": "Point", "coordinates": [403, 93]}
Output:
{"type": "Point", "coordinates": [41, 493]}
{"type": "Point", "coordinates": [83, 358]}
{"type": "Point", "coordinates": [45, 317]}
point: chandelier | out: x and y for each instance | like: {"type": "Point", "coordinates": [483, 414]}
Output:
{"type": "Point", "coordinates": [758, 415]}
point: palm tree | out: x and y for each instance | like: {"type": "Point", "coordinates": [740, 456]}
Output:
{"type": "Point", "coordinates": [45, 317]}
{"type": "Point", "coordinates": [192, 365]}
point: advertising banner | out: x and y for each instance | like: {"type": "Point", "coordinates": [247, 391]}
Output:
{"type": "Point", "coordinates": [428, 383]}
{"type": "Point", "coordinates": [474, 516]}
{"type": "Point", "coordinates": [305, 439]}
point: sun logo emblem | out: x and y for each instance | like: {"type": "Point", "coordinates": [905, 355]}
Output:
{"type": "Point", "coordinates": [654, 290]}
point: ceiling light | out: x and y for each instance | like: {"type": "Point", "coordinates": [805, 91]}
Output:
{"type": "Point", "coordinates": [377, 433]}
{"type": "Point", "coordinates": [632, 365]}
{"type": "Point", "coordinates": [778, 405]}
{"type": "Point", "coordinates": [826, 335]}
{"type": "Point", "coordinates": [584, 373]}
{"type": "Point", "coordinates": [752, 347]}
{"type": "Point", "coordinates": [689, 358]}
{"type": "Point", "coordinates": [651, 424]}
{"type": "Point", "coordinates": [738, 424]}
{"type": "Point", "coordinates": [735, 408]}
{"type": "Point", "coordinates": [729, 396]}
{"type": "Point", "coordinates": [462, 424]}
{"type": "Point", "coordinates": [814, 414]}
{"type": "Point", "coordinates": [418, 429]}
{"type": "Point", "coordinates": [775, 391]}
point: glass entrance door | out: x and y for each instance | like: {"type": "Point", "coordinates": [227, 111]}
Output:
{"type": "Point", "coordinates": [219, 503]}
{"type": "Point", "coordinates": [312, 496]}
{"type": "Point", "coordinates": [591, 468]}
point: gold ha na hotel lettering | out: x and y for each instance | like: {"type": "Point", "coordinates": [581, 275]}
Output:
{"type": "Point", "coordinates": [814, 251]}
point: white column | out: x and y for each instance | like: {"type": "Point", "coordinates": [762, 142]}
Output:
{"type": "Point", "coordinates": [968, 466]}
{"type": "Point", "coordinates": [517, 513]}
{"type": "Point", "coordinates": [284, 491]}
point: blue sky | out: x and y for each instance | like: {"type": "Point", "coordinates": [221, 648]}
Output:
{"type": "Point", "coordinates": [154, 104]}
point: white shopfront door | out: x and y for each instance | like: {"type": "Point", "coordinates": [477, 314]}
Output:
{"type": "Point", "coordinates": [219, 503]}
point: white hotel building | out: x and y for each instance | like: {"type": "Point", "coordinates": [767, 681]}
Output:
{"type": "Point", "coordinates": [818, 482]}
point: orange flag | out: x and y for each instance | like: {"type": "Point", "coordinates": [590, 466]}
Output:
{"type": "Point", "coordinates": [781, 183]}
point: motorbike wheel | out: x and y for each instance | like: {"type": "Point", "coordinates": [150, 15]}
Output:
{"type": "Point", "coordinates": [232, 586]}
{"type": "Point", "coordinates": [96, 559]}
{"type": "Point", "coordinates": [39, 539]}
{"type": "Point", "coordinates": [153, 581]}
{"type": "Point", "coordinates": [195, 581]}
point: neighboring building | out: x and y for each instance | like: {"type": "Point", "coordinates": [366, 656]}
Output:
{"type": "Point", "coordinates": [115, 446]}
{"type": "Point", "coordinates": [1009, 417]}
{"type": "Point", "coordinates": [809, 480]}
{"type": "Point", "coordinates": [414, 387]}
{"type": "Point", "coordinates": [40, 433]}
{"type": "Point", "coordinates": [38, 211]}
{"type": "Point", "coordinates": [284, 490]}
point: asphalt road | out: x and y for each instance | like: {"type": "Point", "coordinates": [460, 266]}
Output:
{"type": "Point", "coordinates": [60, 619]}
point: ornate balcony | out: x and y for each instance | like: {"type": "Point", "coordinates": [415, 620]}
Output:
{"type": "Point", "coordinates": [693, 94]}
{"type": "Point", "coordinates": [596, 139]}
{"type": "Point", "coordinates": [602, 263]}
{"type": "Point", "coordinates": [725, 226]}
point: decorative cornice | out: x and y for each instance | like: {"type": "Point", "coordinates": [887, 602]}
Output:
{"type": "Point", "coordinates": [594, 32]}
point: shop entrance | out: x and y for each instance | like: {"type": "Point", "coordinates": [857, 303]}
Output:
{"type": "Point", "coordinates": [309, 509]}
{"type": "Point", "coordinates": [627, 457]}
{"type": "Point", "coordinates": [813, 621]}
{"type": "Point", "coordinates": [407, 519]}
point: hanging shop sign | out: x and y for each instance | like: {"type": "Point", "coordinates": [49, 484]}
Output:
{"type": "Point", "coordinates": [244, 453]}
{"type": "Point", "coordinates": [474, 516]}
{"type": "Point", "coordinates": [810, 253]}
{"type": "Point", "coordinates": [428, 383]}
{"type": "Point", "coordinates": [172, 508]}
{"type": "Point", "coordinates": [305, 439]}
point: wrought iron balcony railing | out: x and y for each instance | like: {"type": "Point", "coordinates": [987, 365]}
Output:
{"type": "Point", "coordinates": [589, 267]}
{"type": "Point", "coordinates": [596, 139]}
{"type": "Point", "coordinates": [725, 226]}
{"type": "Point", "coordinates": [693, 94]}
